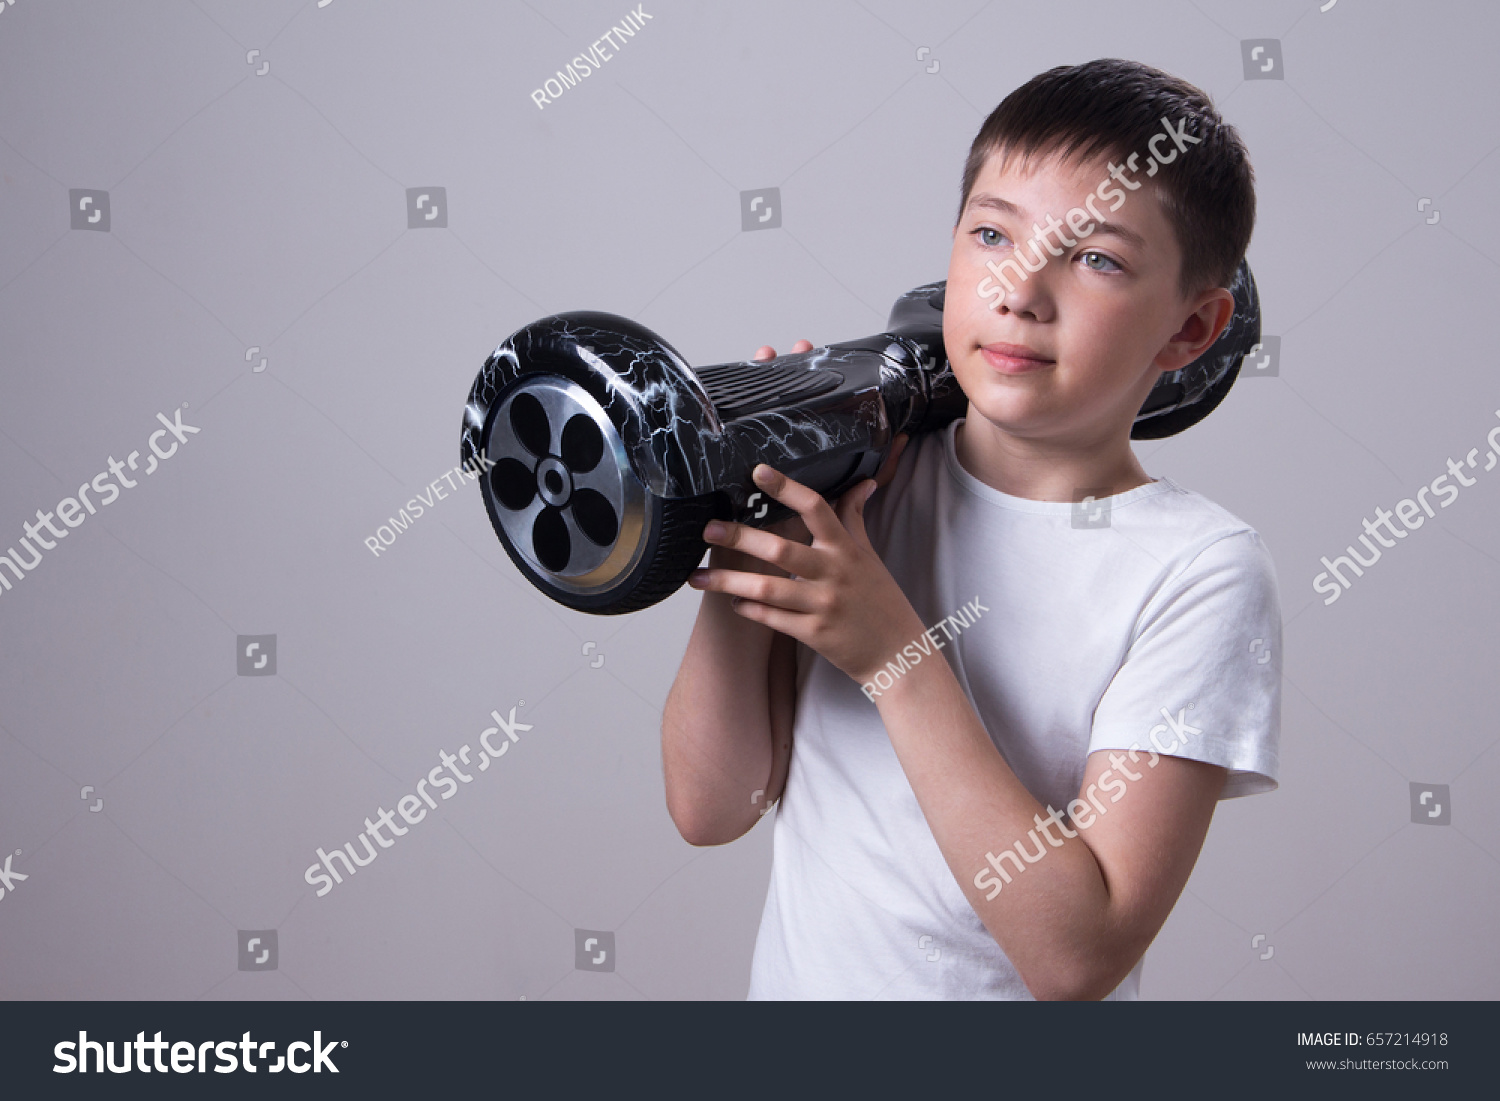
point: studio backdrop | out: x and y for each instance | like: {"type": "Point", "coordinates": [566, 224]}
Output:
{"type": "Point", "coordinates": [254, 255]}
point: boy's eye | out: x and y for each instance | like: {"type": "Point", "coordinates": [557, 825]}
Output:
{"type": "Point", "coordinates": [1094, 261]}
{"type": "Point", "coordinates": [989, 236]}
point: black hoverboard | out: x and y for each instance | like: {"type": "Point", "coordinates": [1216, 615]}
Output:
{"type": "Point", "coordinates": [606, 453]}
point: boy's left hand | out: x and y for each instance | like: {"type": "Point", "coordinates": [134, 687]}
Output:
{"type": "Point", "coordinates": [842, 601]}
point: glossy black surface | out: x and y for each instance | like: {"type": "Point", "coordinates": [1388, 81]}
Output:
{"type": "Point", "coordinates": [824, 417]}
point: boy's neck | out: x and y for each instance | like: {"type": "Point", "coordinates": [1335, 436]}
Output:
{"type": "Point", "coordinates": [1045, 470]}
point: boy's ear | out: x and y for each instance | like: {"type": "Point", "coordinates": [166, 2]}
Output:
{"type": "Point", "coordinates": [1211, 314]}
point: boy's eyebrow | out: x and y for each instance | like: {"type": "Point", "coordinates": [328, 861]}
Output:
{"type": "Point", "coordinates": [1002, 205]}
{"type": "Point", "coordinates": [1108, 229]}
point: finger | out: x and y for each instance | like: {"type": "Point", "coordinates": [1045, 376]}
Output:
{"type": "Point", "coordinates": [778, 619]}
{"type": "Point", "coordinates": [761, 588]}
{"type": "Point", "coordinates": [786, 554]}
{"type": "Point", "coordinates": [765, 351]}
{"type": "Point", "coordinates": [791, 528]}
{"type": "Point", "coordinates": [888, 468]}
{"type": "Point", "coordinates": [851, 510]}
{"type": "Point", "coordinates": [816, 513]}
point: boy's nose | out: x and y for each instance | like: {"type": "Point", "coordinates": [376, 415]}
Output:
{"type": "Point", "coordinates": [1030, 299]}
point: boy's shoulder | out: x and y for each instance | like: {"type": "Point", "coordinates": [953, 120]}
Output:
{"type": "Point", "coordinates": [1184, 513]}
{"type": "Point", "coordinates": [929, 471]}
{"type": "Point", "coordinates": [1157, 543]}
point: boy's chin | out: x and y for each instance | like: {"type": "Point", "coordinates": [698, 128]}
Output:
{"type": "Point", "coordinates": [1019, 419]}
{"type": "Point", "coordinates": [1009, 418]}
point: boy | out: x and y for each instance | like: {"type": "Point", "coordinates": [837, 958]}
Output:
{"type": "Point", "coordinates": [1015, 816]}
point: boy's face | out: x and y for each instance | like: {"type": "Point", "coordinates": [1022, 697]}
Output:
{"type": "Point", "coordinates": [1070, 353]}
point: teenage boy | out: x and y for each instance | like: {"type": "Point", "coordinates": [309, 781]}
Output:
{"type": "Point", "coordinates": [1010, 806]}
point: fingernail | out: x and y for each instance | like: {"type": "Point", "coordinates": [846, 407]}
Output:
{"type": "Point", "coordinates": [764, 473]}
{"type": "Point", "coordinates": [713, 530]}
{"type": "Point", "coordinates": [697, 577]}
{"type": "Point", "coordinates": [871, 491]}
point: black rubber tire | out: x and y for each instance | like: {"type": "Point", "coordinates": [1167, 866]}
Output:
{"type": "Point", "coordinates": [674, 547]}
{"type": "Point", "coordinates": [671, 536]}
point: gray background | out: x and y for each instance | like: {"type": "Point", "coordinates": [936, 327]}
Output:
{"type": "Point", "coordinates": [269, 211]}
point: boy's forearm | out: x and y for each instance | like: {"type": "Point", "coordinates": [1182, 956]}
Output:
{"type": "Point", "coordinates": [1059, 929]}
{"type": "Point", "coordinates": [716, 727]}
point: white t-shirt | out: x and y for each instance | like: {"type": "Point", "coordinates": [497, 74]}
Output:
{"type": "Point", "coordinates": [1093, 637]}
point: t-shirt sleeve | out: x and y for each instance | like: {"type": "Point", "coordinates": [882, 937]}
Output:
{"type": "Point", "coordinates": [1202, 676]}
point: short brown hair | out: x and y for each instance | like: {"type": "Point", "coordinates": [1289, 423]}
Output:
{"type": "Point", "coordinates": [1112, 108]}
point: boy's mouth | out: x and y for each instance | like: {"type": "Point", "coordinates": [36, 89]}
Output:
{"type": "Point", "coordinates": [1013, 359]}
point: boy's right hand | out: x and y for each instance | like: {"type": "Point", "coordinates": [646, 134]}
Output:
{"type": "Point", "coordinates": [792, 526]}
